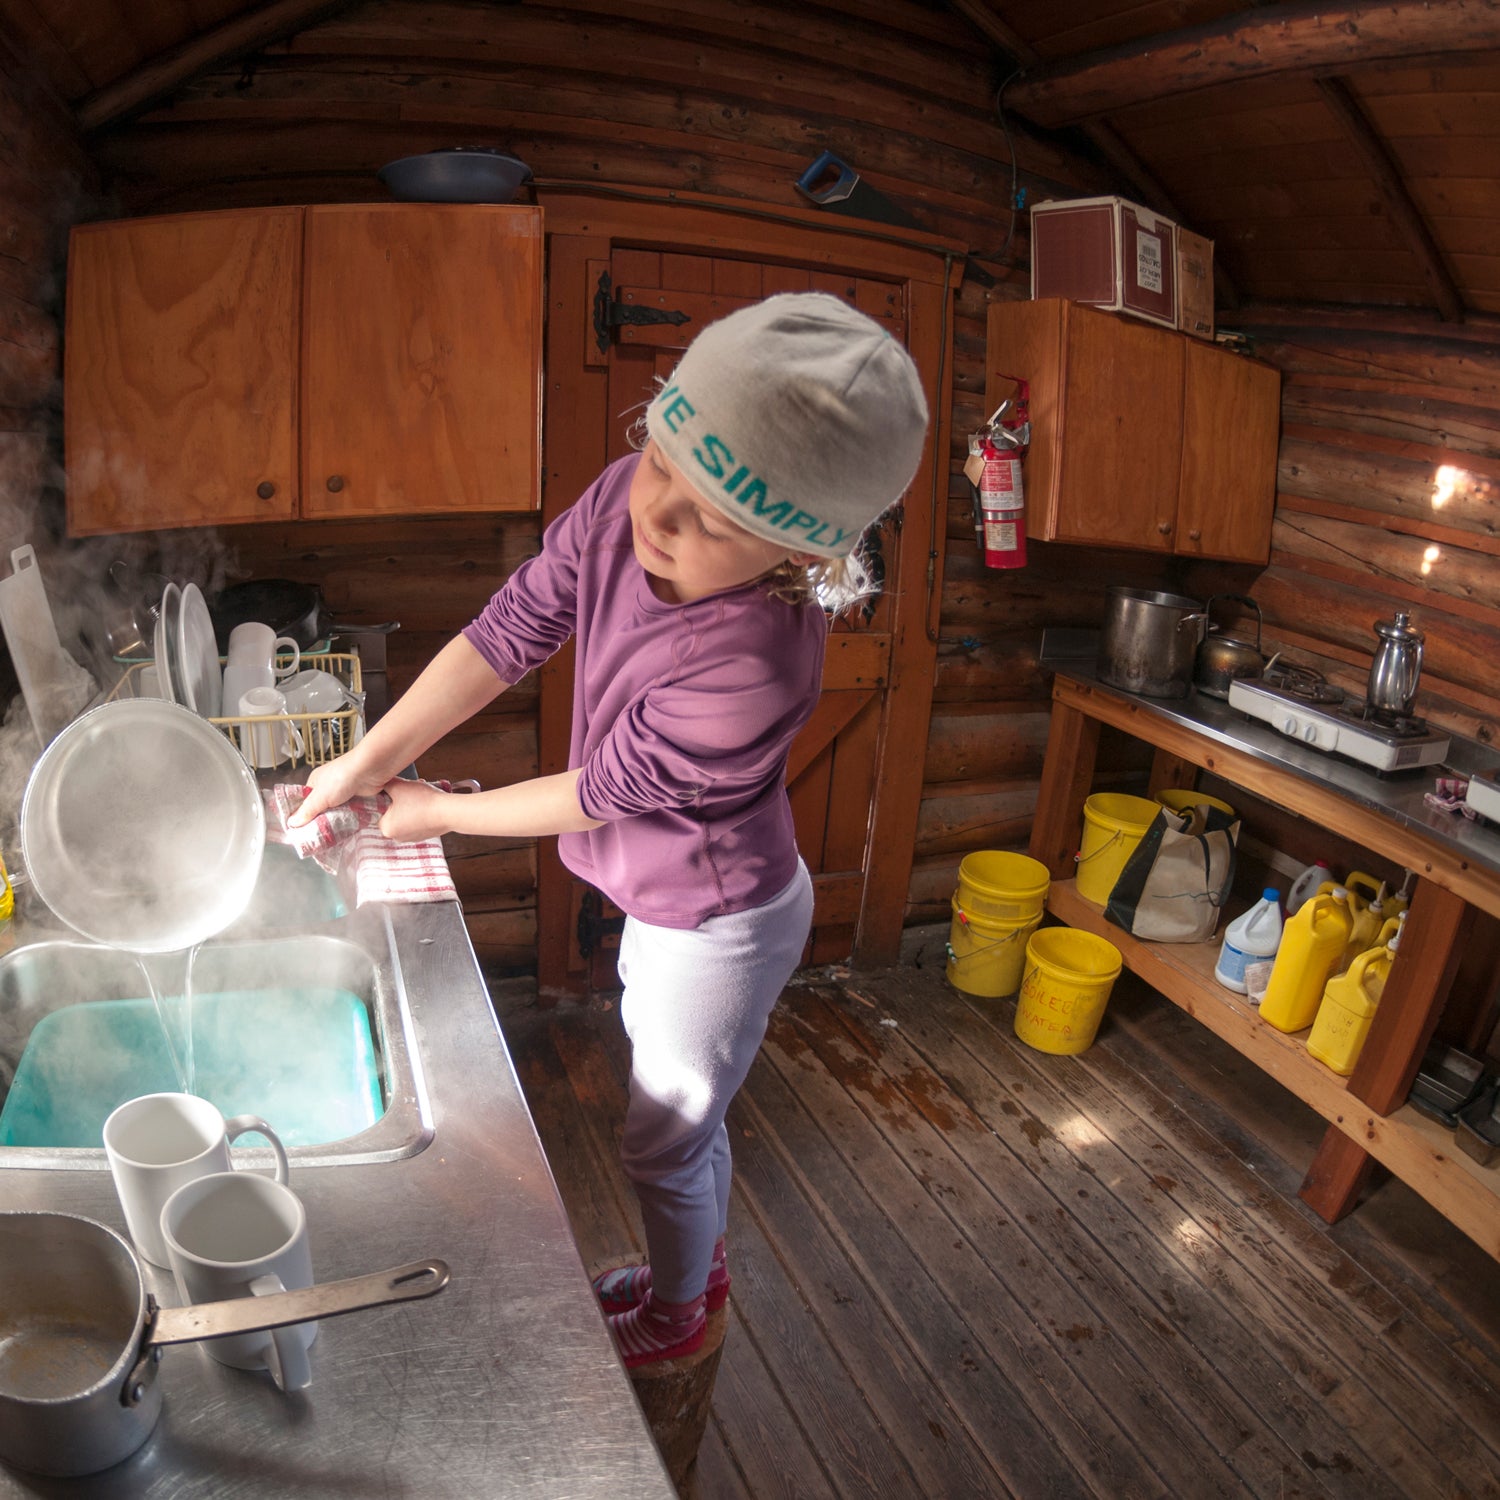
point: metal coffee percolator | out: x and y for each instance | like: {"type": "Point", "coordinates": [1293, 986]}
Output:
{"type": "Point", "coordinates": [1396, 667]}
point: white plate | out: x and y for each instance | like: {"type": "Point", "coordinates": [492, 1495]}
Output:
{"type": "Point", "coordinates": [142, 828]}
{"type": "Point", "coordinates": [198, 656]}
{"type": "Point", "coordinates": [162, 643]}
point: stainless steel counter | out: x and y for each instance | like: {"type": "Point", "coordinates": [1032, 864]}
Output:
{"type": "Point", "coordinates": [504, 1384]}
{"type": "Point", "coordinates": [1397, 796]}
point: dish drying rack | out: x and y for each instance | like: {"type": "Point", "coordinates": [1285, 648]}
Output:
{"type": "Point", "coordinates": [324, 736]}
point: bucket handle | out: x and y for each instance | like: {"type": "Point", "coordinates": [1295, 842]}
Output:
{"type": "Point", "coordinates": [1080, 858]}
{"type": "Point", "coordinates": [974, 952]}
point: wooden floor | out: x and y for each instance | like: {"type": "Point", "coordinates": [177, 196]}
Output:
{"type": "Point", "coordinates": [963, 1268]}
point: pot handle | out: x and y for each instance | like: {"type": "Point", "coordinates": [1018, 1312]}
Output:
{"type": "Point", "coordinates": [1208, 610]}
{"type": "Point", "coordinates": [325, 1299]}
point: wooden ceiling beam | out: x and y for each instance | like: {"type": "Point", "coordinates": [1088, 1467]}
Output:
{"type": "Point", "coordinates": [1301, 37]}
{"type": "Point", "coordinates": [243, 34]}
{"type": "Point", "coordinates": [1105, 139]}
{"type": "Point", "coordinates": [1391, 186]}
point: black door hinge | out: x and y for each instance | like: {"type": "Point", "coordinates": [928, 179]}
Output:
{"type": "Point", "coordinates": [593, 925]}
{"type": "Point", "coordinates": [609, 314]}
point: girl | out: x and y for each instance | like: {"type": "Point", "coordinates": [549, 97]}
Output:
{"type": "Point", "coordinates": [694, 576]}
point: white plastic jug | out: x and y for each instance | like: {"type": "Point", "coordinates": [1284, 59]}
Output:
{"type": "Point", "coordinates": [1306, 884]}
{"type": "Point", "coordinates": [1255, 934]}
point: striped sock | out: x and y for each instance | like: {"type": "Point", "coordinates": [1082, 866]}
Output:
{"type": "Point", "coordinates": [658, 1330]}
{"type": "Point", "coordinates": [624, 1287]}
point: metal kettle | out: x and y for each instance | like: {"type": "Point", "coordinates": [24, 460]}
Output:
{"type": "Point", "coordinates": [1221, 658]}
{"type": "Point", "coordinates": [1397, 666]}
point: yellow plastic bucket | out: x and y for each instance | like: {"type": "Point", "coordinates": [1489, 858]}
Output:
{"type": "Point", "coordinates": [986, 955]}
{"type": "Point", "coordinates": [1000, 886]}
{"type": "Point", "coordinates": [1113, 824]}
{"type": "Point", "coordinates": [1065, 987]}
{"type": "Point", "coordinates": [1180, 799]}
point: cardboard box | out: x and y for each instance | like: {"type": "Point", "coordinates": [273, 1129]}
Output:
{"type": "Point", "coordinates": [1107, 252]}
{"type": "Point", "coordinates": [1195, 284]}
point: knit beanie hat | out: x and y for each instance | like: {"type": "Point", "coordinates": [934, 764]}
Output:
{"type": "Point", "coordinates": [798, 417]}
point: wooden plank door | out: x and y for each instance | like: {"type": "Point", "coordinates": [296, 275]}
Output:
{"type": "Point", "coordinates": [649, 301]}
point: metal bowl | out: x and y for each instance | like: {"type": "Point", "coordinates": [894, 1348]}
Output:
{"type": "Point", "coordinates": [142, 828]}
{"type": "Point", "coordinates": [456, 174]}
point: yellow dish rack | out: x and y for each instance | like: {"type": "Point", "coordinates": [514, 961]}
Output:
{"type": "Point", "coordinates": [323, 735]}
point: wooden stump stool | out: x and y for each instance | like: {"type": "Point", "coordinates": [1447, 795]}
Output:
{"type": "Point", "coordinates": [675, 1395]}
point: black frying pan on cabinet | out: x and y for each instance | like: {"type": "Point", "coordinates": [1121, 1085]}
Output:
{"type": "Point", "coordinates": [288, 607]}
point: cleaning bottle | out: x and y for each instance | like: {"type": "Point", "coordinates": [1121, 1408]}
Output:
{"type": "Point", "coordinates": [1254, 934]}
{"type": "Point", "coordinates": [1306, 885]}
{"type": "Point", "coordinates": [1348, 1008]}
{"type": "Point", "coordinates": [1311, 944]}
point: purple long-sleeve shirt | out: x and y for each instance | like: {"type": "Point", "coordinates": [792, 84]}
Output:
{"type": "Point", "coordinates": [682, 714]}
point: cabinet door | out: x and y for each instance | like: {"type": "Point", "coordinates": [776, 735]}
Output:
{"type": "Point", "coordinates": [1121, 432]}
{"type": "Point", "coordinates": [1231, 421]}
{"type": "Point", "coordinates": [181, 370]}
{"type": "Point", "coordinates": [422, 359]}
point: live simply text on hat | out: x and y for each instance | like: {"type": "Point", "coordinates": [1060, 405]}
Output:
{"type": "Point", "coordinates": [799, 417]}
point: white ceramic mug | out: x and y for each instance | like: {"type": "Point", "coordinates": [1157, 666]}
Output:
{"type": "Point", "coordinates": [158, 1142]}
{"type": "Point", "coordinates": [314, 692]}
{"type": "Point", "coordinates": [266, 745]}
{"type": "Point", "coordinates": [250, 661]}
{"type": "Point", "coordinates": [237, 1234]}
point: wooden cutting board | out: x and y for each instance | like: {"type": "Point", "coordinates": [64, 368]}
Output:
{"type": "Point", "coordinates": [51, 681]}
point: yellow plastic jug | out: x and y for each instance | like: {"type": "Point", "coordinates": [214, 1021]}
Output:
{"type": "Point", "coordinates": [1364, 930]}
{"type": "Point", "coordinates": [1344, 1017]}
{"type": "Point", "coordinates": [1312, 942]}
{"type": "Point", "coordinates": [1356, 881]}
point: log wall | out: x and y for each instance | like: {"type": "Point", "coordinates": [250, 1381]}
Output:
{"type": "Point", "coordinates": [1388, 498]}
{"type": "Point", "coordinates": [46, 182]}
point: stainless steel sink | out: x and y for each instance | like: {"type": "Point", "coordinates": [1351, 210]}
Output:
{"type": "Point", "coordinates": [354, 952]}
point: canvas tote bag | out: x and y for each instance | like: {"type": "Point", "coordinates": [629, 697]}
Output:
{"type": "Point", "coordinates": [1176, 880]}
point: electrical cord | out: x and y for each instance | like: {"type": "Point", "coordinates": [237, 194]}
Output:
{"type": "Point", "coordinates": [1010, 146]}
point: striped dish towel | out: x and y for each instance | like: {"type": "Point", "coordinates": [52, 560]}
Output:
{"type": "Point", "coordinates": [1447, 795]}
{"type": "Point", "coordinates": [349, 838]}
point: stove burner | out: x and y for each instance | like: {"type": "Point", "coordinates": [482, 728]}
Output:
{"type": "Point", "coordinates": [1399, 726]}
{"type": "Point", "coordinates": [1303, 683]}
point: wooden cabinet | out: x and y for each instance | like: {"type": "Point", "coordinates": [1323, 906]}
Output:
{"type": "Point", "coordinates": [284, 363]}
{"type": "Point", "coordinates": [1140, 437]}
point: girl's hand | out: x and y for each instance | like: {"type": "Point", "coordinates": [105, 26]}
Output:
{"type": "Point", "coordinates": [333, 784]}
{"type": "Point", "coordinates": [418, 811]}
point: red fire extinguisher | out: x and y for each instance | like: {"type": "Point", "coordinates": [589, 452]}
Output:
{"type": "Point", "coordinates": [994, 470]}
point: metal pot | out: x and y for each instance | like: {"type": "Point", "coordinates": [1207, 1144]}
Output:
{"type": "Point", "coordinates": [81, 1337]}
{"type": "Point", "coordinates": [288, 607]}
{"type": "Point", "coordinates": [1222, 658]}
{"type": "Point", "coordinates": [1149, 641]}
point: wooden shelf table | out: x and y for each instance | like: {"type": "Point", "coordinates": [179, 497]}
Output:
{"type": "Point", "coordinates": [1368, 1119]}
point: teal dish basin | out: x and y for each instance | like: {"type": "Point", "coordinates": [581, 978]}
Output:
{"type": "Point", "coordinates": [302, 1059]}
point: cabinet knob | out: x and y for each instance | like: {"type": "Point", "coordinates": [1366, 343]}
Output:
{"type": "Point", "coordinates": [335, 483]}
{"type": "Point", "coordinates": [1165, 527]}
{"type": "Point", "coordinates": [265, 489]}
{"type": "Point", "coordinates": [1195, 535]}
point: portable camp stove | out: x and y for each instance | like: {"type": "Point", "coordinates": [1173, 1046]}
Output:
{"type": "Point", "coordinates": [1304, 706]}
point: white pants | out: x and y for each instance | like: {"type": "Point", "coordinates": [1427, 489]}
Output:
{"type": "Point", "coordinates": [695, 1007]}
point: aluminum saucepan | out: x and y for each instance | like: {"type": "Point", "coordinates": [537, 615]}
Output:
{"type": "Point", "coordinates": [81, 1337]}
